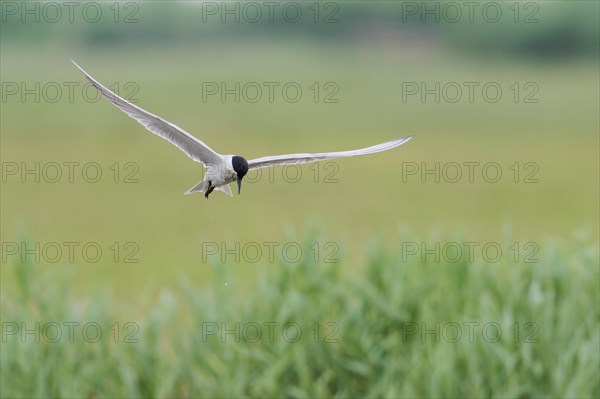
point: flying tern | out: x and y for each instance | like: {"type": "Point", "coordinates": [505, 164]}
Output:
{"type": "Point", "coordinates": [222, 169]}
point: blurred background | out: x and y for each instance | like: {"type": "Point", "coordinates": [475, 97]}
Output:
{"type": "Point", "coordinates": [502, 99]}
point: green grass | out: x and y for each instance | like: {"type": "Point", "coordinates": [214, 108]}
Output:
{"type": "Point", "coordinates": [371, 338]}
{"type": "Point", "coordinates": [372, 299]}
{"type": "Point", "coordinates": [370, 199]}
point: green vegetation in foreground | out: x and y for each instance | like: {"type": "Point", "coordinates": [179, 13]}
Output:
{"type": "Point", "coordinates": [366, 346]}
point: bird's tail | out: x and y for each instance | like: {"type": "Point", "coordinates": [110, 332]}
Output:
{"type": "Point", "coordinates": [198, 187]}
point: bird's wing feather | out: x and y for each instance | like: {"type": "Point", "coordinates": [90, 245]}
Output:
{"type": "Point", "coordinates": [193, 147]}
{"type": "Point", "coordinates": [290, 159]}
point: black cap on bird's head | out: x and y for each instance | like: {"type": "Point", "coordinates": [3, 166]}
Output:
{"type": "Point", "coordinates": [240, 166]}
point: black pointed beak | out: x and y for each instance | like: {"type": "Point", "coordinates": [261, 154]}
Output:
{"type": "Point", "coordinates": [239, 180]}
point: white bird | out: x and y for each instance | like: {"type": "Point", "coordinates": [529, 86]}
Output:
{"type": "Point", "coordinates": [222, 169]}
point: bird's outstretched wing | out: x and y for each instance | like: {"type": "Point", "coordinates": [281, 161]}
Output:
{"type": "Point", "coordinates": [193, 147]}
{"type": "Point", "coordinates": [306, 158]}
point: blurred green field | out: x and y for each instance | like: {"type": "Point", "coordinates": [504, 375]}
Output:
{"type": "Point", "coordinates": [373, 238]}
{"type": "Point", "coordinates": [370, 199]}
{"type": "Point", "coordinates": [397, 329]}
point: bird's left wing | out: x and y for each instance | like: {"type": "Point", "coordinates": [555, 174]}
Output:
{"type": "Point", "coordinates": [193, 147]}
{"type": "Point", "coordinates": [306, 158]}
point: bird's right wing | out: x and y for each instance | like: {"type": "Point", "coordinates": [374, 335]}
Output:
{"type": "Point", "coordinates": [193, 147]}
{"type": "Point", "coordinates": [290, 159]}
